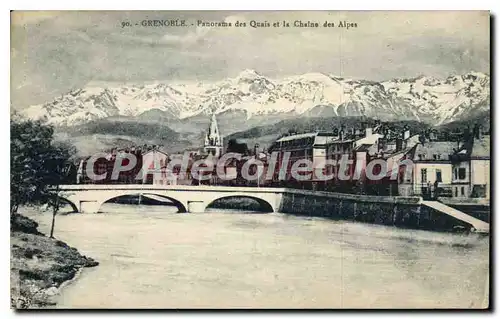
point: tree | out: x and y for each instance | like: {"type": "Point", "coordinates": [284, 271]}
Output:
{"type": "Point", "coordinates": [36, 164]}
{"type": "Point", "coordinates": [233, 146]}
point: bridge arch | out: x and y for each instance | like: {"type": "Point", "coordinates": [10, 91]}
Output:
{"type": "Point", "coordinates": [180, 206]}
{"type": "Point", "coordinates": [232, 200]}
{"type": "Point", "coordinates": [69, 202]}
{"type": "Point", "coordinates": [91, 201]}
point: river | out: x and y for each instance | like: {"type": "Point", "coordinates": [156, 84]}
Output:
{"type": "Point", "coordinates": [151, 257]}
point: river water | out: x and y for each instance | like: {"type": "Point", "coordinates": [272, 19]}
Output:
{"type": "Point", "coordinates": [151, 257]}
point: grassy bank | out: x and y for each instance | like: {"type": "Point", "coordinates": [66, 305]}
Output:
{"type": "Point", "coordinates": [39, 264]}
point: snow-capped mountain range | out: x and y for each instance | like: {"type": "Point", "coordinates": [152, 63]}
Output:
{"type": "Point", "coordinates": [423, 98]}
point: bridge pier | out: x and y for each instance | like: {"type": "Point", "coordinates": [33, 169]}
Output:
{"type": "Point", "coordinates": [196, 206]}
{"type": "Point", "coordinates": [89, 207]}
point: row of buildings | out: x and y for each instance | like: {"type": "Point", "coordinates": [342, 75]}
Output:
{"type": "Point", "coordinates": [458, 169]}
{"type": "Point", "coordinates": [146, 157]}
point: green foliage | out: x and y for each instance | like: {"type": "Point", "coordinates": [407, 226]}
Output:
{"type": "Point", "coordinates": [36, 162]}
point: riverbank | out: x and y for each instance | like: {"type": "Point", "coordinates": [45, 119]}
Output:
{"type": "Point", "coordinates": [39, 265]}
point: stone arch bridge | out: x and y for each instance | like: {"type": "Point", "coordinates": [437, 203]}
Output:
{"type": "Point", "coordinates": [88, 198]}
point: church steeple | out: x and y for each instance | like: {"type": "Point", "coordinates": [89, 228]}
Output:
{"type": "Point", "coordinates": [213, 140]}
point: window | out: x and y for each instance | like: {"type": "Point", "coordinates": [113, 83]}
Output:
{"type": "Point", "coordinates": [423, 173]}
{"type": "Point", "coordinates": [461, 173]}
{"type": "Point", "coordinates": [462, 191]}
{"type": "Point", "coordinates": [455, 173]}
{"type": "Point", "coordinates": [439, 176]}
{"type": "Point", "coordinates": [435, 156]}
{"type": "Point", "coordinates": [456, 191]}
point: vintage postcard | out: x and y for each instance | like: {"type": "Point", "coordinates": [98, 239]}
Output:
{"type": "Point", "coordinates": [250, 159]}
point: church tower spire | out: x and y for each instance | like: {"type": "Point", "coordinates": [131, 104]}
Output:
{"type": "Point", "coordinates": [213, 139]}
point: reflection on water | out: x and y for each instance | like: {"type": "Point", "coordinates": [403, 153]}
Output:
{"type": "Point", "coordinates": [151, 257]}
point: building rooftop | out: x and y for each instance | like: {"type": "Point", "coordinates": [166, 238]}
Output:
{"type": "Point", "coordinates": [343, 141]}
{"type": "Point", "coordinates": [395, 153]}
{"type": "Point", "coordinates": [434, 151]}
{"type": "Point", "coordinates": [363, 148]}
{"type": "Point", "coordinates": [296, 136]}
{"type": "Point", "coordinates": [158, 150]}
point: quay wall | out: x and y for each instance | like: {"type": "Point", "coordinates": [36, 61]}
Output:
{"type": "Point", "coordinates": [476, 207]}
{"type": "Point", "coordinates": [404, 212]}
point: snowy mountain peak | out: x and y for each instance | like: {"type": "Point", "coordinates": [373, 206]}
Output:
{"type": "Point", "coordinates": [313, 77]}
{"type": "Point", "coordinates": [248, 74]}
{"type": "Point", "coordinates": [422, 98]}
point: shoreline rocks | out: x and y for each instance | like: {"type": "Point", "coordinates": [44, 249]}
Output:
{"type": "Point", "coordinates": [39, 265]}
